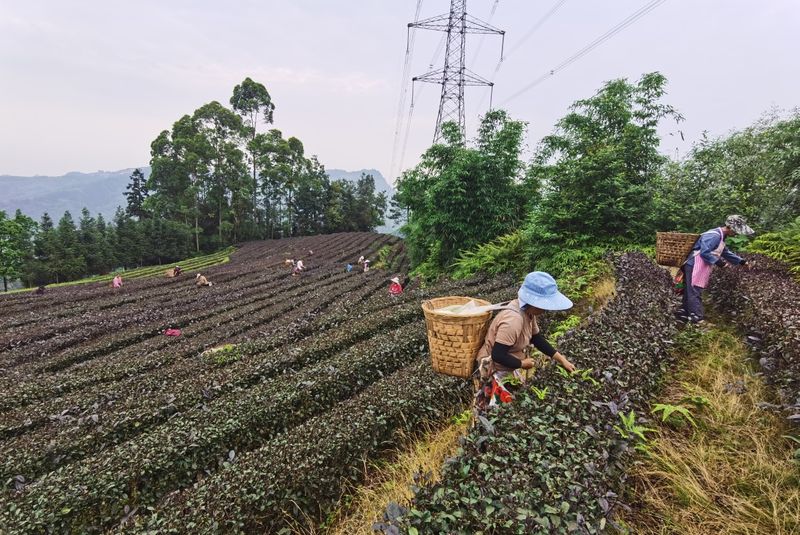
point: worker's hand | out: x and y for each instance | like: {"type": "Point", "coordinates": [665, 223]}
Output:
{"type": "Point", "coordinates": [566, 364]}
{"type": "Point", "coordinates": [527, 364]}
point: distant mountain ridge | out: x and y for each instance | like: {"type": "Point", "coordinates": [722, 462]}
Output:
{"type": "Point", "coordinates": [390, 227]}
{"type": "Point", "coordinates": [380, 182]}
{"type": "Point", "coordinates": [101, 192]}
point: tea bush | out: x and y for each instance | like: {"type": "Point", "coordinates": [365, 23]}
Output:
{"type": "Point", "coordinates": [135, 452]}
{"type": "Point", "coordinates": [138, 472]}
{"type": "Point", "coordinates": [555, 463]}
{"type": "Point", "coordinates": [301, 473]}
{"type": "Point", "coordinates": [765, 302]}
{"type": "Point", "coordinates": [100, 413]}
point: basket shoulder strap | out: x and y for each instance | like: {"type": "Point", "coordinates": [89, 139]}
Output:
{"type": "Point", "coordinates": [497, 306]}
{"type": "Point", "coordinates": [503, 306]}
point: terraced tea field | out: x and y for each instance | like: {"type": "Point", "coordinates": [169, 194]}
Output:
{"type": "Point", "coordinates": [264, 411]}
{"type": "Point", "coordinates": [106, 423]}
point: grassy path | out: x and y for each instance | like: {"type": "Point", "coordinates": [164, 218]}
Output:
{"type": "Point", "coordinates": [733, 469]}
{"type": "Point", "coordinates": [189, 264]}
{"type": "Point", "coordinates": [391, 481]}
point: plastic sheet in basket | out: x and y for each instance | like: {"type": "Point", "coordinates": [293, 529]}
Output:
{"type": "Point", "coordinates": [466, 309]}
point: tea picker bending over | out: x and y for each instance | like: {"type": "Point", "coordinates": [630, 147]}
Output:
{"type": "Point", "coordinates": [512, 332]}
{"type": "Point", "coordinates": [395, 288]}
{"type": "Point", "coordinates": [298, 268]}
{"type": "Point", "coordinates": [709, 251]}
{"type": "Point", "coordinates": [200, 280]}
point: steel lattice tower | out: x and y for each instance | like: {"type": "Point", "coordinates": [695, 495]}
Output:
{"type": "Point", "coordinates": [454, 76]}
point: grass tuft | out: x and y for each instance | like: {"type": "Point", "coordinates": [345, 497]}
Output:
{"type": "Point", "coordinates": [602, 291]}
{"type": "Point", "coordinates": [391, 481]}
{"type": "Point", "coordinates": [734, 472]}
{"type": "Point", "coordinates": [189, 264]}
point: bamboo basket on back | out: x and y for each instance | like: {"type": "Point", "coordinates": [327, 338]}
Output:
{"type": "Point", "coordinates": [672, 248]}
{"type": "Point", "coordinates": [454, 339]}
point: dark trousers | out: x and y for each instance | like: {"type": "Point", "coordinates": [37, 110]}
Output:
{"type": "Point", "coordinates": [692, 296]}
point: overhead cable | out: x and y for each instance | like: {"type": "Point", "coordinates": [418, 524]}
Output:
{"type": "Point", "coordinates": [538, 24]}
{"type": "Point", "coordinates": [403, 90]}
{"type": "Point", "coordinates": [589, 47]}
{"type": "Point", "coordinates": [483, 37]}
{"type": "Point", "coordinates": [434, 59]}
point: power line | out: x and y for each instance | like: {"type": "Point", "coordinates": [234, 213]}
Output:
{"type": "Point", "coordinates": [538, 24]}
{"type": "Point", "coordinates": [589, 47]}
{"type": "Point", "coordinates": [483, 37]}
{"type": "Point", "coordinates": [438, 50]}
{"type": "Point", "coordinates": [434, 59]}
{"type": "Point", "coordinates": [405, 139]}
{"type": "Point", "coordinates": [404, 90]}
{"type": "Point", "coordinates": [535, 27]}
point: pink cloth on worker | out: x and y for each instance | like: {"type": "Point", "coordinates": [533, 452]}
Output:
{"type": "Point", "coordinates": [701, 272]}
{"type": "Point", "coordinates": [172, 332]}
{"type": "Point", "coordinates": [117, 283]}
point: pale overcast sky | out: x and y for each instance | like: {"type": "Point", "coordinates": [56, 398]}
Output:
{"type": "Point", "coordinates": [87, 84]}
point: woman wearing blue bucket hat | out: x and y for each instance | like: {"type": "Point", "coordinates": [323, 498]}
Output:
{"type": "Point", "coordinates": [514, 330]}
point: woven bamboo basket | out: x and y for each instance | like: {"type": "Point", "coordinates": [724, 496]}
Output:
{"type": "Point", "coordinates": [672, 248]}
{"type": "Point", "coordinates": [454, 339]}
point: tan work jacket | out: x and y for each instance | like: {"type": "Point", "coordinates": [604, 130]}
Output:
{"type": "Point", "coordinates": [514, 328]}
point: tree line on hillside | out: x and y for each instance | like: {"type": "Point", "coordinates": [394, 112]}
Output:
{"type": "Point", "coordinates": [215, 180]}
{"type": "Point", "coordinates": [597, 182]}
{"type": "Point", "coordinates": [46, 251]}
{"type": "Point", "coordinates": [216, 174]}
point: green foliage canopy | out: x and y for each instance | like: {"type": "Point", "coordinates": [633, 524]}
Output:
{"type": "Point", "coordinates": [783, 245]}
{"type": "Point", "coordinates": [459, 197]}
{"type": "Point", "coordinates": [597, 171]}
{"type": "Point", "coordinates": [754, 172]}
{"type": "Point", "coordinates": [16, 245]}
{"type": "Point", "coordinates": [214, 172]}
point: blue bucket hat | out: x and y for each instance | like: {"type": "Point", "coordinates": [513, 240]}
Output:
{"type": "Point", "coordinates": [540, 290]}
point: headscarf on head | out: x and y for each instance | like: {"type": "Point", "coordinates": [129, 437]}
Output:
{"type": "Point", "coordinates": [739, 225]}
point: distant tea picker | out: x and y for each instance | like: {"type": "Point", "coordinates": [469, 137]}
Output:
{"type": "Point", "coordinates": [200, 280]}
{"type": "Point", "coordinates": [395, 288]}
{"type": "Point", "coordinates": [298, 268]}
{"type": "Point", "coordinates": [174, 272]}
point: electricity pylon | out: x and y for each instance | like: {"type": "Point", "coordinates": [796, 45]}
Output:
{"type": "Point", "coordinates": [454, 76]}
